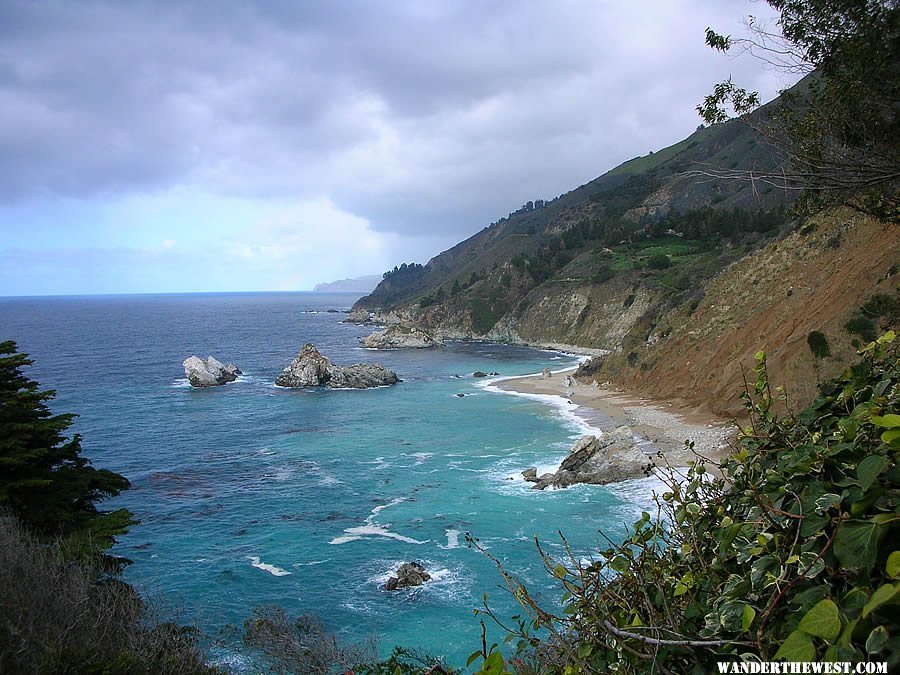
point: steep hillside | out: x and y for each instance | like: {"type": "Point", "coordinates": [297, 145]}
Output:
{"type": "Point", "coordinates": [621, 206]}
{"type": "Point", "coordinates": [838, 276]}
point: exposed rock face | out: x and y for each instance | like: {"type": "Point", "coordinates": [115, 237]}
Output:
{"type": "Point", "coordinates": [398, 336]}
{"type": "Point", "coordinates": [530, 474]}
{"type": "Point", "coordinates": [311, 369]}
{"type": "Point", "coordinates": [610, 458]}
{"type": "Point", "coordinates": [408, 575]}
{"type": "Point", "coordinates": [546, 374]}
{"type": "Point", "coordinates": [209, 373]}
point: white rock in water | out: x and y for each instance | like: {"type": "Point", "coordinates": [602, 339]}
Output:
{"type": "Point", "coordinates": [209, 373]}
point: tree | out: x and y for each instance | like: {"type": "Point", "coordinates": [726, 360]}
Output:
{"type": "Point", "coordinates": [838, 128]}
{"type": "Point", "coordinates": [44, 479]}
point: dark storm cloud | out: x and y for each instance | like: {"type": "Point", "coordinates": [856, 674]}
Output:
{"type": "Point", "coordinates": [418, 116]}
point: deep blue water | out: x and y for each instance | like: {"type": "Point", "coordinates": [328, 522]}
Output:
{"type": "Point", "coordinates": [251, 495]}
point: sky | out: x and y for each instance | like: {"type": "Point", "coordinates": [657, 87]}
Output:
{"type": "Point", "coordinates": [233, 145]}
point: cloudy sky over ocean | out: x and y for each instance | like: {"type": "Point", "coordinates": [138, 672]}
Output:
{"type": "Point", "coordinates": [215, 146]}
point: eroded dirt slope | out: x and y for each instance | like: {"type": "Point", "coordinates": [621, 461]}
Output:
{"type": "Point", "coordinates": [813, 280]}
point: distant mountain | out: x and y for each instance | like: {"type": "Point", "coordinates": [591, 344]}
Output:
{"type": "Point", "coordinates": [364, 284]}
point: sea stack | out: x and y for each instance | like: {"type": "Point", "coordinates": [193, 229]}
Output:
{"type": "Point", "coordinates": [408, 575]}
{"type": "Point", "coordinates": [209, 373]}
{"type": "Point", "coordinates": [311, 369]}
{"type": "Point", "coordinates": [398, 336]}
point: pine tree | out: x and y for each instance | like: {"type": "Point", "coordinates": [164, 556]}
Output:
{"type": "Point", "coordinates": [44, 480]}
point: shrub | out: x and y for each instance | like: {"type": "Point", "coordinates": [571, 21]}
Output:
{"type": "Point", "coordinates": [602, 274]}
{"type": "Point", "coordinates": [59, 617]}
{"type": "Point", "coordinates": [486, 313]}
{"type": "Point", "coordinates": [862, 326]}
{"type": "Point", "coordinates": [882, 305]}
{"type": "Point", "coordinates": [305, 646]}
{"type": "Point", "coordinates": [818, 344]}
{"type": "Point", "coordinates": [790, 555]}
{"type": "Point", "coordinates": [660, 261]}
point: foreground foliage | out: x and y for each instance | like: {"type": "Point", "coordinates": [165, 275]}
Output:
{"type": "Point", "coordinates": [791, 555]}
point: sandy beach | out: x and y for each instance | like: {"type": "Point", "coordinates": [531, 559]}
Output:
{"type": "Point", "coordinates": [666, 425]}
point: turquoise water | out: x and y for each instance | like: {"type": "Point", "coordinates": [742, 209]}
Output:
{"type": "Point", "coordinates": [251, 495]}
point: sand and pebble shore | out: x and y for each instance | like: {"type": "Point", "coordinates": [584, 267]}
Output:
{"type": "Point", "coordinates": [666, 425]}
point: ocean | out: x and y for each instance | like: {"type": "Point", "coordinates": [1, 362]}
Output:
{"type": "Point", "coordinates": [251, 495]}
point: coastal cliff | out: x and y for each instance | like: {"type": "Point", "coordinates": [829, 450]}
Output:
{"type": "Point", "coordinates": [676, 278]}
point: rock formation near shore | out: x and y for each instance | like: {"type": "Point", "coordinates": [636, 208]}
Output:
{"type": "Point", "coordinates": [209, 373]}
{"type": "Point", "coordinates": [398, 336]}
{"type": "Point", "coordinates": [408, 575]}
{"type": "Point", "coordinates": [310, 369]}
{"type": "Point", "coordinates": [611, 458]}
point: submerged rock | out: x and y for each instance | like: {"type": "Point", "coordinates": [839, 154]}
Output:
{"type": "Point", "coordinates": [310, 369]}
{"type": "Point", "coordinates": [611, 458]}
{"type": "Point", "coordinates": [408, 575]}
{"type": "Point", "coordinates": [209, 373]}
{"type": "Point", "coordinates": [398, 336]}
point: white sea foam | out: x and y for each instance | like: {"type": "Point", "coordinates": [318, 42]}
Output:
{"type": "Point", "coordinates": [181, 383]}
{"type": "Point", "coordinates": [312, 563]}
{"type": "Point", "coordinates": [566, 409]}
{"type": "Point", "coordinates": [373, 529]}
{"type": "Point", "coordinates": [452, 539]}
{"type": "Point", "coordinates": [355, 533]}
{"type": "Point", "coordinates": [266, 567]}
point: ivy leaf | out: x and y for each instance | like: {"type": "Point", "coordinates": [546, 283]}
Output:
{"type": "Point", "coordinates": [877, 640]}
{"type": "Point", "coordinates": [797, 647]}
{"type": "Point", "coordinates": [619, 563]}
{"type": "Point", "coordinates": [747, 617]}
{"type": "Point", "coordinates": [887, 421]}
{"type": "Point", "coordinates": [822, 620]}
{"type": "Point", "coordinates": [828, 500]}
{"type": "Point", "coordinates": [884, 594]}
{"type": "Point", "coordinates": [856, 544]}
{"type": "Point", "coordinates": [893, 565]}
{"type": "Point", "coordinates": [869, 469]}
{"type": "Point", "coordinates": [891, 437]}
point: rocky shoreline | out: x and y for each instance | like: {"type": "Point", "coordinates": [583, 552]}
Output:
{"type": "Point", "coordinates": [665, 425]}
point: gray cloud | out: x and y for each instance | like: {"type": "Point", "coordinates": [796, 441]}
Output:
{"type": "Point", "coordinates": [419, 117]}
